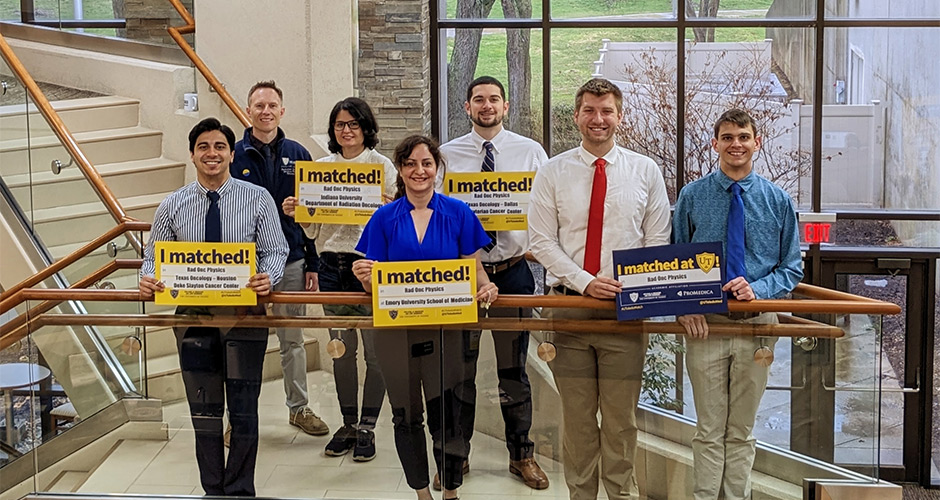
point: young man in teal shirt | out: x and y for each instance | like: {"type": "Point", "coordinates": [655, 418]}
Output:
{"type": "Point", "coordinates": [756, 222]}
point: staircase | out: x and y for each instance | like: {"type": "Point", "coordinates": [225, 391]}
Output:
{"type": "Point", "coordinates": [67, 213]}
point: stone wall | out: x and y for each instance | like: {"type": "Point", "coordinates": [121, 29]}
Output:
{"type": "Point", "coordinates": [394, 67]}
{"type": "Point", "coordinates": [147, 20]}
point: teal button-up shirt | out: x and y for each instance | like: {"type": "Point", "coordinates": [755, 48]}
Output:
{"type": "Point", "coordinates": [771, 239]}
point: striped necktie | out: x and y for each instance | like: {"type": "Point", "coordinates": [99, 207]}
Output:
{"type": "Point", "coordinates": [489, 164]}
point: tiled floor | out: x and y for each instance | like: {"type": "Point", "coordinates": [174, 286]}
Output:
{"type": "Point", "coordinates": [291, 464]}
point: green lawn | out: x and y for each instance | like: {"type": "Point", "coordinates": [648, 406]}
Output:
{"type": "Point", "coordinates": [575, 50]}
{"type": "Point", "coordinates": [566, 9]}
{"type": "Point", "coordinates": [58, 9]}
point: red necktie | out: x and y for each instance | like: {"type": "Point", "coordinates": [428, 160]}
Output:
{"type": "Point", "coordinates": [595, 228]}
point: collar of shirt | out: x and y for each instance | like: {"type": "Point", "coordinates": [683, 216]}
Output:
{"type": "Point", "coordinates": [223, 189]}
{"type": "Point", "coordinates": [725, 182]}
{"type": "Point", "coordinates": [610, 157]}
{"type": "Point", "coordinates": [478, 141]}
{"type": "Point", "coordinates": [256, 143]}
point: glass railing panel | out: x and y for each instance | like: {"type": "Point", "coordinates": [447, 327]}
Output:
{"type": "Point", "coordinates": [88, 371]}
{"type": "Point", "coordinates": [25, 384]}
{"type": "Point", "coordinates": [125, 343]}
{"type": "Point", "coordinates": [14, 138]}
{"type": "Point", "coordinates": [66, 212]}
{"type": "Point", "coordinates": [142, 22]}
{"type": "Point", "coordinates": [460, 372]}
{"type": "Point", "coordinates": [49, 10]}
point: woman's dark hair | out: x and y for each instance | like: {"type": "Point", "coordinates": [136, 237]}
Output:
{"type": "Point", "coordinates": [362, 113]}
{"type": "Point", "coordinates": [403, 151]}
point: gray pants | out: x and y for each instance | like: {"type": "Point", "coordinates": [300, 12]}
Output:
{"type": "Point", "coordinates": [291, 340]}
{"type": "Point", "coordinates": [727, 387]}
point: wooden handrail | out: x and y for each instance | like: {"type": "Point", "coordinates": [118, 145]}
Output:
{"type": "Point", "coordinates": [18, 327]}
{"type": "Point", "coordinates": [818, 292]}
{"type": "Point", "coordinates": [65, 137]}
{"type": "Point", "coordinates": [852, 305]}
{"type": "Point", "coordinates": [177, 34]}
{"type": "Point", "coordinates": [839, 306]}
{"type": "Point", "coordinates": [802, 329]}
{"type": "Point", "coordinates": [121, 228]}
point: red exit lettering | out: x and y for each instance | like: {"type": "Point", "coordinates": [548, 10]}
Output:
{"type": "Point", "coordinates": [816, 232]}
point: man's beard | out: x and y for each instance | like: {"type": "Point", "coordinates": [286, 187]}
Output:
{"type": "Point", "coordinates": [483, 124]}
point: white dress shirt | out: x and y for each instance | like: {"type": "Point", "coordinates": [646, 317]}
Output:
{"type": "Point", "coordinates": [636, 212]}
{"type": "Point", "coordinates": [342, 238]}
{"type": "Point", "coordinates": [512, 153]}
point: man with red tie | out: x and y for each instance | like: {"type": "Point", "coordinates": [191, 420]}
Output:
{"type": "Point", "coordinates": [586, 203]}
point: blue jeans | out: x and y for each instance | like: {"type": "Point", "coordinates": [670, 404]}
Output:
{"type": "Point", "coordinates": [335, 274]}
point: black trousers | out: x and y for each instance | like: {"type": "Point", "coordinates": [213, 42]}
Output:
{"type": "Point", "coordinates": [336, 275]}
{"type": "Point", "coordinates": [222, 366]}
{"type": "Point", "coordinates": [515, 394]}
{"type": "Point", "coordinates": [439, 363]}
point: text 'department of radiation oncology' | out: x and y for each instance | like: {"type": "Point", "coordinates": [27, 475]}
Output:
{"type": "Point", "coordinates": [338, 193]}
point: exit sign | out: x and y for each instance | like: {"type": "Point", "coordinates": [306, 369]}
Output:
{"type": "Point", "coordinates": [817, 227]}
{"type": "Point", "coordinates": [815, 233]}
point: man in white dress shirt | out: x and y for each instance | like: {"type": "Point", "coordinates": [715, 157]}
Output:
{"type": "Point", "coordinates": [491, 148]}
{"type": "Point", "coordinates": [585, 203]}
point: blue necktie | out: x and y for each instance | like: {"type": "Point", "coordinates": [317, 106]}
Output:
{"type": "Point", "coordinates": [735, 249]}
{"type": "Point", "coordinates": [489, 163]}
{"type": "Point", "coordinates": [213, 219]}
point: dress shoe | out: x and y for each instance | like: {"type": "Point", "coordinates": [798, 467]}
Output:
{"type": "Point", "coordinates": [530, 472]}
{"type": "Point", "coordinates": [437, 477]}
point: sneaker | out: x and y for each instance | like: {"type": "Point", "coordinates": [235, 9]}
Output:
{"type": "Point", "coordinates": [342, 442]}
{"type": "Point", "coordinates": [365, 446]}
{"type": "Point", "coordinates": [309, 422]}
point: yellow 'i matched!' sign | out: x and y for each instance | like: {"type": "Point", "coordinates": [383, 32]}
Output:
{"type": "Point", "coordinates": [431, 292]}
{"type": "Point", "coordinates": [205, 274]}
{"type": "Point", "coordinates": [338, 193]}
{"type": "Point", "coordinates": [500, 199]}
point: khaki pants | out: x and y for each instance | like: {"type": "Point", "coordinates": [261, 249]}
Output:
{"type": "Point", "coordinates": [727, 386]}
{"type": "Point", "coordinates": [598, 371]}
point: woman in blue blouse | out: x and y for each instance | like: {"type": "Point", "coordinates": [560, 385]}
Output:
{"type": "Point", "coordinates": [423, 225]}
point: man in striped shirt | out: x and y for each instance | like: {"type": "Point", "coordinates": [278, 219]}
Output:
{"type": "Point", "coordinates": [221, 364]}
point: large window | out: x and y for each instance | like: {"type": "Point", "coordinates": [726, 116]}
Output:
{"type": "Point", "coordinates": [846, 103]}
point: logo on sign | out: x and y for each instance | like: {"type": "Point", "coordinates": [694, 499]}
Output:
{"type": "Point", "coordinates": [174, 293]}
{"type": "Point", "coordinates": [393, 313]}
{"type": "Point", "coordinates": [634, 296]}
{"type": "Point", "coordinates": [706, 261]}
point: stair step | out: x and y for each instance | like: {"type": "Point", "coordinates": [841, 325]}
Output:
{"type": "Point", "coordinates": [124, 179]}
{"type": "Point", "coordinates": [21, 156]}
{"type": "Point", "coordinates": [85, 221]}
{"type": "Point", "coordinates": [122, 466]}
{"type": "Point", "coordinates": [68, 481]}
{"type": "Point", "coordinates": [79, 115]}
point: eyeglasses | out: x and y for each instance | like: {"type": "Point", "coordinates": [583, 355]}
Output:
{"type": "Point", "coordinates": [339, 126]}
